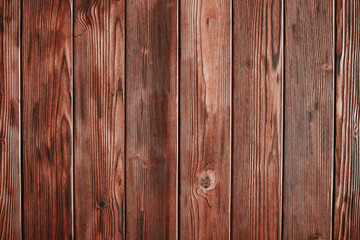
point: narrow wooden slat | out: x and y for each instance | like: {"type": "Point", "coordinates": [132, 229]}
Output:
{"type": "Point", "coordinates": [99, 118]}
{"type": "Point", "coordinates": [347, 156]}
{"type": "Point", "coordinates": [257, 119]}
{"type": "Point", "coordinates": [47, 118]}
{"type": "Point", "coordinates": [151, 119]}
{"type": "Point", "coordinates": [205, 94]}
{"type": "Point", "coordinates": [308, 120]}
{"type": "Point", "coordinates": [10, 185]}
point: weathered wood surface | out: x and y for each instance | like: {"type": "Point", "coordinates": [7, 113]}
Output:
{"type": "Point", "coordinates": [47, 119]}
{"type": "Point", "coordinates": [99, 119]}
{"type": "Point", "coordinates": [10, 180]}
{"type": "Point", "coordinates": [347, 158]}
{"type": "Point", "coordinates": [308, 119]}
{"type": "Point", "coordinates": [205, 97]}
{"type": "Point", "coordinates": [151, 119]}
{"type": "Point", "coordinates": [257, 119]}
{"type": "Point", "coordinates": [193, 119]}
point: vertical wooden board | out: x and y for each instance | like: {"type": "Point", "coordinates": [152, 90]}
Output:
{"type": "Point", "coordinates": [151, 119]}
{"type": "Point", "coordinates": [10, 181]}
{"type": "Point", "coordinates": [205, 95]}
{"type": "Point", "coordinates": [347, 163]}
{"type": "Point", "coordinates": [99, 118]}
{"type": "Point", "coordinates": [47, 119]}
{"type": "Point", "coordinates": [308, 120]}
{"type": "Point", "coordinates": [257, 119]}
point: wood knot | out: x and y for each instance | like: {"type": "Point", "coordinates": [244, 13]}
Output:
{"type": "Point", "coordinates": [207, 180]}
{"type": "Point", "coordinates": [101, 204]}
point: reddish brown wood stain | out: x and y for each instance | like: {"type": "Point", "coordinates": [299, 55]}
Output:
{"type": "Point", "coordinates": [46, 119]}
{"type": "Point", "coordinates": [205, 119]}
{"type": "Point", "coordinates": [308, 119]}
{"type": "Point", "coordinates": [10, 185]}
{"type": "Point", "coordinates": [99, 112]}
{"type": "Point", "coordinates": [257, 120]}
{"type": "Point", "coordinates": [347, 158]}
{"type": "Point", "coordinates": [151, 119]}
{"type": "Point", "coordinates": [179, 119]}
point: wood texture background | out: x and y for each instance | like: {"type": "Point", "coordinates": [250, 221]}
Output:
{"type": "Point", "coordinates": [179, 119]}
{"type": "Point", "coordinates": [10, 179]}
{"type": "Point", "coordinates": [99, 119]}
{"type": "Point", "coordinates": [347, 152]}
{"type": "Point", "coordinates": [46, 119]}
{"type": "Point", "coordinates": [151, 119]}
{"type": "Point", "coordinates": [308, 119]}
{"type": "Point", "coordinates": [257, 120]}
{"type": "Point", "coordinates": [205, 119]}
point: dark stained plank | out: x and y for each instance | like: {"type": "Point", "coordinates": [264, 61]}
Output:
{"type": "Point", "coordinates": [151, 119]}
{"type": "Point", "coordinates": [10, 181]}
{"type": "Point", "coordinates": [47, 119]}
{"type": "Point", "coordinates": [308, 120]}
{"type": "Point", "coordinates": [256, 205]}
{"type": "Point", "coordinates": [205, 96]}
{"type": "Point", "coordinates": [99, 119]}
{"type": "Point", "coordinates": [347, 156]}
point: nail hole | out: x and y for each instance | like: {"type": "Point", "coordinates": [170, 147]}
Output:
{"type": "Point", "coordinates": [102, 204]}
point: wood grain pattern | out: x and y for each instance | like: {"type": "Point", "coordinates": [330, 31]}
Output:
{"type": "Point", "coordinates": [347, 157]}
{"type": "Point", "coordinates": [205, 95]}
{"type": "Point", "coordinates": [10, 180]}
{"type": "Point", "coordinates": [308, 120]}
{"type": "Point", "coordinates": [99, 119]}
{"type": "Point", "coordinates": [151, 119]}
{"type": "Point", "coordinates": [47, 119]}
{"type": "Point", "coordinates": [193, 119]}
{"type": "Point", "coordinates": [257, 119]}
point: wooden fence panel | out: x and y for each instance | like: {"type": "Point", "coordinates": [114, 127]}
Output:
{"type": "Point", "coordinates": [347, 157]}
{"type": "Point", "coordinates": [257, 119]}
{"type": "Point", "coordinates": [179, 119]}
{"type": "Point", "coordinates": [10, 179]}
{"type": "Point", "coordinates": [99, 119]}
{"type": "Point", "coordinates": [151, 119]}
{"type": "Point", "coordinates": [205, 97]}
{"type": "Point", "coordinates": [46, 116]}
{"type": "Point", "coordinates": [308, 119]}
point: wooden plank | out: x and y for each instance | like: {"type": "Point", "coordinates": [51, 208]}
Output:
{"type": "Point", "coordinates": [205, 96]}
{"type": "Point", "coordinates": [10, 180]}
{"type": "Point", "coordinates": [47, 119]}
{"type": "Point", "coordinates": [309, 119]}
{"type": "Point", "coordinates": [151, 119]}
{"type": "Point", "coordinates": [257, 119]}
{"type": "Point", "coordinates": [347, 157]}
{"type": "Point", "coordinates": [99, 118]}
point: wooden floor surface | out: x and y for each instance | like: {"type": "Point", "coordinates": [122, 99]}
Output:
{"type": "Point", "coordinates": [180, 119]}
